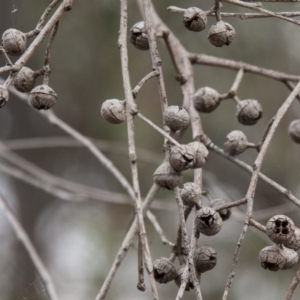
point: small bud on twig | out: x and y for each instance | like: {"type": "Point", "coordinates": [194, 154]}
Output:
{"type": "Point", "coordinates": [205, 259]}
{"type": "Point", "coordinates": [190, 193]}
{"type": "Point", "coordinates": [194, 19]}
{"type": "Point", "coordinates": [206, 99]}
{"type": "Point", "coordinates": [221, 33]}
{"type": "Point", "coordinates": [138, 36]}
{"type": "Point", "coordinates": [14, 42]}
{"type": "Point", "coordinates": [176, 117]}
{"type": "Point", "coordinates": [113, 111]}
{"type": "Point", "coordinates": [164, 271]}
{"type": "Point", "coordinates": [25, 80]}
{"type": "Point", "coordinates": [208, 221]}
{"type": "Point", "coordinates": [42, 97]}
{"type": "Point", "coordinates": [248, 112]}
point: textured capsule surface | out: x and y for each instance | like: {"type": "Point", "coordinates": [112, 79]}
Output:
{"type": "Point", "coordinates": [14, 42]}
{"type": "Point", "coordinates": [205, 259]}
{"type": "Point", "coordinates": [166, 177]}
{"type": "Point", "coordinates": [221, 33]}
{"type": "Point", "coordinates": [138, 36]}
{"type": "Point", "coordinates": [294, 131]}
{"type": "Point", "coordinates": [206, 99]}
{"type": "Point", "coordinates": [280, 229]}
{"type": "Point", "coordinates": [248, 111]}
{"type": "Point", "coordinates": [224, 213]}
{"type": "Point", "coordinates": [194, 19]}
{"type": "Point", "coordinates": [42, 97]}
{"type": "Point", "coordinates": [113, 111]}
{"type": "Point", "coordinates": [275, 258]}
{"type": "Point", "coordinates": [236, 142]}
{"type": "Point", "coordinates": [164, 270]}
{"type": "Point", "coordinates": [200, 154]}
{"type": "Point", "coordinates": [182, 157]}
{"type": "Point", "coordinates": [208, 221]}
{"type": "Point", "coordinates": [25, 80]}
{"type": "Point", "coordinates": [294, 241]}
{"type": "Point", "coordinates": [4, 95]}
{"type": "Point", "coordinates": [176, 117]}
{"type": "Point", "coordinates": [190, 193]}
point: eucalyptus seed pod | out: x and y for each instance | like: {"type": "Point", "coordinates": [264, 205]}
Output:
{"type": "Point", "coordinates": [294, 242]}
{"type": "Point", "coordinates": [205, 259]}
{"type": "Point", "coordinates": [280, 229]}
{"type": "Point", "coordinates": [42, 97]}
{"type": "Point", "coordinates": [221, 33]}
{"type": "Point", "coordinates": [224, 213]}
{"type": "Point", "coordinates": [248, 112]}
{"type": "Point", "coordinates": [291, 258]}
{"type": "Point", "coordinates": [138, 36]}
{"type": "Point", "coordinates": [194, 19]}
{"type": "Point", "coordinates": [4, 95]}
{"type": "Point", "coordinates": [208, 221]}
{"type": "Point", "coordinates": [294, 131]}
{"type": "Point", "coordinates": [113, 111]}
{"type": "Point", "coordinates": [182, 157]}
{"type": "Point", "coordinates": [25, 80]}
{"type": "Point", "coordinates": [206, 99]}
{"type": "Point", "coordinates": [14, 42]}
{"type": "Point", "coordinates": [166, 177]}
{"type": "Point", "coordinates": [163, 270]}
{"type": "Point", "coordinates": [176, 117]}
{"type": "Point", "coordinates": [236, 142]}
{"type": "Point", "coordinates": [200, 154]}
{"type": "Point", "coordinates": [190, 193]}
{"type": "Point", "coordinates": [276, 258]}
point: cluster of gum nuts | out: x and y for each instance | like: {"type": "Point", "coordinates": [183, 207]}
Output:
{"type": "Point", "coordinates": [194, 19]}
{"type": "Point", "coordinates": [14, 43]}
{"type": "Point", "coordinates": [286, 237]}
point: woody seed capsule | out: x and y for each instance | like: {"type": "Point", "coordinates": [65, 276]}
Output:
{"type": "Point", "coordinates": [280, 229]}
{"type": "Point", "coordinates": [14, 42]}
{"type": "Point", "coordinates": [182, 157]}
{"type": "Point", "coordinates": [294, 242]}
{"type": "Point", "coordinates": [25, 80]}
{"type": "Point", "coordinates": [221, 33]}
{"type": "Point", "coordinates": [4, 95]}
{"type": "Point", "coordinates": [208, 221]}
{"type": "Point", "coordinates": [200, 154]}
{"type": "Point", "coordinates": [224, 213]}
{"type": "Point", "coordinates": [113, 111]}
{"type": "Point", "coordinates": [176, 117]}
{"type": "Point", "coordinates": [42, 97]}
{"type": "Point", "coordinates": [275, 258]}
{"type": "Point", "coordinates": [294, 131]}
{"type": "Point", "coordinates": [164, 271]}
{"type": "Point", "coordinates": [248, 112]}
{"type": "Point", "coordinates": [205, 259]}
{"type": "Point", "coordinates": [138, 36]}
{"type": "Point", "coordinates": [194, 19]}
{"type": "Point", "coordinates": [236, 142]}
{"type": "Point", "coordinates": [206, 99]}
{"type": "Point", "coordinates": [166, 177]}
{"type": "Point", "coordinates": [190, 193]}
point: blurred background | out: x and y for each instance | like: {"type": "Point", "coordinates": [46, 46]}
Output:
{"type": "Point", "coordinates": [78, 241]}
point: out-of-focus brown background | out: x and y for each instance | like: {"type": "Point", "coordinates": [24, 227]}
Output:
{"type": "Point", "coordinates": [78, 241]}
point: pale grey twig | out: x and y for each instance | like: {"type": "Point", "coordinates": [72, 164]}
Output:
{"type": "Point", "coordinates": [158, 129]}
{"type": "Point", "coordinates": [128, 240]}
{"type": "Point", "coordinates": [142, 82]}
{"type": "Point", "coordinates": [254, 179]}
{"type": "Point", "coordinates": [262, 10]}
{"type": "Point", "coordinates": [293, 286]}
{"type": "Point", "coordinates": [245, 16]}
{"type": "Point", "coordinates": [131, 108]}
{"type": "Point", "coordinates": [24, 238]}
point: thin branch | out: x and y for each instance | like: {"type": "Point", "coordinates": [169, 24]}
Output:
{"type": "Point", "coordinates": [24, 238]}
{"type": "Point", "coordinates": [257, 225]}
{"type": "Point", "coordinates": [44, 16]}
{"type": "Point", "coordinates": [288, 194]}
{"type": "Point", "coordinates": [130, 109]}
{"type": "Point", "coordinates": [137, 88]}
{"type": "Point", "coordinates": [209, 60]}
{"type": "Point", "coordinates": [262, 10]}
{"type": "Point", "coordinates": [158, 129]}
{"type": "Point", "coordinates": [128, 240]}
{"type": "Point", "coordinates": [293, 286]}
{"type": "Point", "coordinates": [245, 16]}
{"type": "Point", "coordinates": [159, 230]}
{"type": "Point", "coordinates": [254, 179]}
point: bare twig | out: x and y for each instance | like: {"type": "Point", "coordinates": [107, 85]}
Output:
{"type": "Point", "coordinates": [293, 286]}
{"type": "Point", "coordinates": [24, 238]}
{"type": "Point", "coordinates": [142, 82]}
{"type": "Point", "coordinates": [125, 245]}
